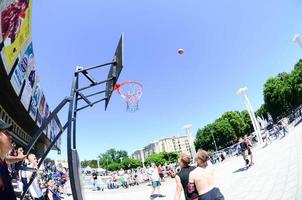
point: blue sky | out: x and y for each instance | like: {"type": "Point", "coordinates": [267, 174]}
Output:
{"type": "Point", "coordinates": [228, 44]}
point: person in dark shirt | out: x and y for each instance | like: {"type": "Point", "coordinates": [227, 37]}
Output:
{"type": "Point", "coordinates": [182, 177]}
{"type": "Point", "coordinates": [243, 151]}
{"type": "Point", "coordinates": [6, 188]}
{"type": "Point", "coordinates": [95, 181]}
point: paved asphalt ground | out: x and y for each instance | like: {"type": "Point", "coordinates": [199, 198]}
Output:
{"type": "Point", "coordinates": [277, 174]}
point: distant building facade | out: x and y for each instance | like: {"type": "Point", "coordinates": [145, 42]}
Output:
{"type": "Point", "coordinates": [178, 145]}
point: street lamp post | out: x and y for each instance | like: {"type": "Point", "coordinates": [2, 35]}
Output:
{"type": "Point", "coordinates": [191, 143]}
{"type": "Point", "coordinates": [214, 140]}
{"type": "Point", "coordinates": [98, 163]}
{"type": "Point", "coordinates": [242, 92]}
{"type": "Point", "coordinates": [297, 40]}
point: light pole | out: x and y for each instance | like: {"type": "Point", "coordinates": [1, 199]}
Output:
{"type": "Point", "coordinates": [297, 40]}
{"type": "Point", "coordinates": [214, 140]}
{"type": "Point", "coordinates": [242, 92]}
{"type": "Point", "coordinates": [191, 143]}
{"type": "Point", "coordinates": [98, 163]}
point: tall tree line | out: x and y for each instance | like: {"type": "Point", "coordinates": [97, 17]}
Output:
{"type": "Point", "coordinates": [282, 94]}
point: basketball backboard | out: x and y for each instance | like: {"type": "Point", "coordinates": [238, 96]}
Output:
{"type": "Point", "coordinates": [115, 69]}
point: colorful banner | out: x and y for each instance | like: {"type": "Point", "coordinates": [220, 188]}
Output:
{"type": "Point", "coordinates": [23, 66]}
{"type": "Point", "coordinates": [35, 102]}
{"type": "Point", "coordinates": [16, 45]}
{"type": "Point", "coordinates": [15, 29]}
{"type": "Point", "coordinates": [30, 83]}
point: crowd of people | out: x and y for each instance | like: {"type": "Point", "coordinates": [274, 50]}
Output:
{"type": "Point", "coordinates": [50, 180]}
{"type": "Point", "coordinates": [131, 177]}
{"type": "Point", "coordinates": [47, 183]}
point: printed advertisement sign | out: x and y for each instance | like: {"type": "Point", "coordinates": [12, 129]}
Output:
{"type": "Point", "coordinates": [19, 73]}
{"type": "Point", "coordinates": [33, 109]}
{"type": "Point", "coordinates": [15, 29]}
{"type": "Point", "coordinates": [54, 130]}
{"type": "Point", "coordinates": [41, 107]}
{"type": "Point", "coordinates": [45, 115]}
{"type": "Point", "coordinates": [30, 83]}
{"type": "Point", "coordinates": [48, 133]}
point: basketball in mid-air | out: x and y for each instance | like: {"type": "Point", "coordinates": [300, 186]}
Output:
{"type": "Point", "coordinates": [180, 51]}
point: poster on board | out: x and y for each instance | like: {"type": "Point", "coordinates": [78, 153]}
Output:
{"type": "Point", "coordinates": [35, 100]}
{"type": "Point", "coordinates": [41, 107]}
{"type": "Point", "coordinates": [19, 73]}
{"type": "Point", "coordinates": [48, 133]}
{"type": "Point", "coordinates": [15, 29]}
{"type": "Point", "coordinates": [30, 83]}
{"type": "Point", "coordinates": [45, 115]}
{"type": "Point", "coordinates": [53, 130]}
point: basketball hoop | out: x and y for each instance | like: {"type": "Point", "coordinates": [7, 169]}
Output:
{"type": "Point", "coordinates": [131, 92]}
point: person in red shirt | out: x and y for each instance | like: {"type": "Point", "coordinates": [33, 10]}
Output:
{"type": "Point", "coordinates": [160, 173]}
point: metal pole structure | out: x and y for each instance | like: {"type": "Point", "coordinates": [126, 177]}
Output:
{"type": "Point", "coordinates": [72, 154]}
{"type": "Point", "coordinates": [191, 143]}
{"type": "Point", "coordinates": [142, 156]}
{"type": "Point", "coordinates": [242, 92]}
{"type": "Point", "coordinates": [214, 141]}
{"type": "Point", "coordinates": [297, 40]}
{"type": "Point", "coordinates": [75, 96]}
{"type": "Point", "coordinates": [98, 163]}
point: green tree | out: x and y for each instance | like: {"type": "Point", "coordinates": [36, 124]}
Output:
{"type": "Point", "coordinates": [224, 133]}
{"type": "Point", "coordinates": [162, 158]}
{"type": "Point", "coordinates": [114, 166]}
{"type": "Point", "coordinates": [247, 119]}
{"type": "Point", "coordinates": [204, 138]}
{"type": "Point", "coordinates": [278, 94]}
{"type": "Point", "coordinates": [262, 112]}
{"type": "Point", "coordinates": [112, 156]}
{"type": "Point", "coordinates": [237, 122]}
{"type": "Point", "coordinates": [90, 163]}
{"type": "Point", "coordinates": [296, 83]}
{"type": "Point", "coordinates": [129, 163]}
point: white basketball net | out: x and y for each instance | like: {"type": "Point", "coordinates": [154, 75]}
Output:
{"type": "Point", "coordinates": [131, 92]}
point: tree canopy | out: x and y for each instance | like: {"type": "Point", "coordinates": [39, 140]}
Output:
{"type": "Point", "coordinates": [162, 158]}
{"type": "Point", "coordinates": [225, 130]}
{"type": "Point", "coordinates": [283, 93]}
{"type": "Point", "coordinates": [113, 160]}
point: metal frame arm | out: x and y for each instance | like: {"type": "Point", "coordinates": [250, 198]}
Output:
{"type": "Point", "coordinates": [91, 104]}
{"type": "Point", "coordinates": [97, 83]}
{"type": "Point", "coordinates": [45, 123]}
{"type": "Point", "coordinates": [96, 66]}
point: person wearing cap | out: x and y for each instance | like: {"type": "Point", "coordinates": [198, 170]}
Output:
{"type": "Point", "coordinates": [6, 188]}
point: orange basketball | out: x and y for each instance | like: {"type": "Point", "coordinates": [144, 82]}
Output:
{"type": "Point", "coordinates": [180, 51]}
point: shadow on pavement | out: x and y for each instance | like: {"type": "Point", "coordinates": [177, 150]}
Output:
{"type": "Point", "coordinates": [240, 170]}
